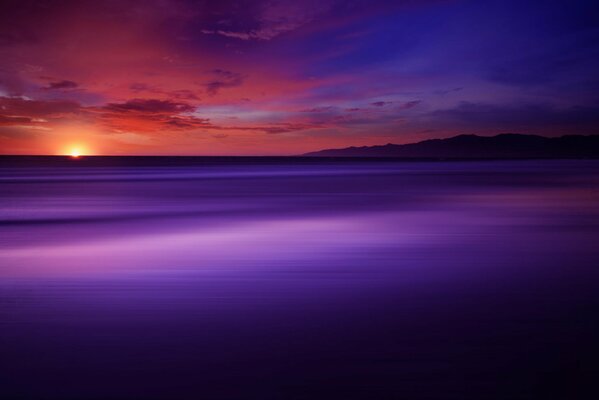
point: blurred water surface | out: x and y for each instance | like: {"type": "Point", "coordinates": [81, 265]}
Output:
{"type": "Point", "coordinates": [298, 279]}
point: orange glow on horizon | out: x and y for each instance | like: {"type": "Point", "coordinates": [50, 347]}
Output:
{"type": "Point", "coordinates": [76, 152]}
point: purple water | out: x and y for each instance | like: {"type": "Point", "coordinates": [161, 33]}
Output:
{"type": "Point", "coordinates": [297, 279]}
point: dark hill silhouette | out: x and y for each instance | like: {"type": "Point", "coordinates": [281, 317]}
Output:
{"type": "Point", "coordinates": [508, 145]}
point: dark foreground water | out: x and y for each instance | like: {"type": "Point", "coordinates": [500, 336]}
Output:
{"type": "Point", "coordinates": [298, 279]}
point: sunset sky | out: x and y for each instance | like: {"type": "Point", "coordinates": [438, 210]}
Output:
{"type": "Point", "coordinates": [286, 77]}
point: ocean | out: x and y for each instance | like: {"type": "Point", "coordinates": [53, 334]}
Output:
{"type": "Point", "coordinates": [296, 278]}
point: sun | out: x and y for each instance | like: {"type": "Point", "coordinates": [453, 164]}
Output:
{"type": "Point", "coordinates": [75, 150]}
{"type": "Point", "coordinates": [75, 153]}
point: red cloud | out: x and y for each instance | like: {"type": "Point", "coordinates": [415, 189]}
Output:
{"type": "Point", "coordinates": [6, 120]}
{"type": "Point", "coordinates": [61, 85]}
{"type": "Point", "coordinates": [149, 115]}
{"type": "Point", "coordinates": [18, 106]}
{"type": "Point", "coordinates": [150, 106]}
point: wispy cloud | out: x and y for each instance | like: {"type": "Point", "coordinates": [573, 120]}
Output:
{"type": "Point", "coordinates": [223, 79]}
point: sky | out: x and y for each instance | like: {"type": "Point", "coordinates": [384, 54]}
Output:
{"type": "Point", "coordinates": [183, 77]}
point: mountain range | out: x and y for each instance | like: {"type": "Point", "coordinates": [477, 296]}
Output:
{"type": "Point", "coordinates": [507, 145]}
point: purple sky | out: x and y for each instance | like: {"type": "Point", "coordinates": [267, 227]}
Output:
{"type": "Point", "coordinates": [287, 77]}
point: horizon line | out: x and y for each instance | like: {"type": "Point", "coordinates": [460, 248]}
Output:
{"type": "Point", "coordinates": [296, 155]}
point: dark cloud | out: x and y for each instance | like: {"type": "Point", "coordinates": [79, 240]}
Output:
{"type": "Point", "coordinates": [150, 106]}
{"type": "Point", "coordinates": [381, 103]}
{"type": "Point", "coordinates": [285, 128]}
{"type": "Point", "coordinates": [408, 104]}
{"type": "Point", "coordinates": [148, 115]}
{"type": "Point", "coordinates": [62, 85]}
{"type": "Point", "coordinates": [224, 79]}
{"type": "Point", "coordinates": [272, 128]}
{"type": "Point", "coordinates": [187, 122]}
{"type": "Point", "coordinates": [181, 94]}
{"type": "Point", "coordinates": [318, 109]}
{"type": "Point", "coordinates": [119, 122]}
{"type": "Point", "coordinates": [401, 105]}
{"type": "Point", "coordinates": [443, 92]}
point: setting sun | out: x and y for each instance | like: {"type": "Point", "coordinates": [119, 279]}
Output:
{"type": "Point", "coordinates": [76, 151]}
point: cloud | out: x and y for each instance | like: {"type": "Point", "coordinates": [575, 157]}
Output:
{"type": "Point", "coordinates": [182, 94]}
{"type": "Point", "coordinates": [61, 85]}
{"type": "Point", "coordinates": [318, 109]}
{"type": "Point", "coordinates": [237, 35]}
{"type": "Point", "coordinates": [266, 20]}
{"type": "Point", "coordinates": [270, 128]}
{"type": "Point", "coordinates": [381, 103]}
{"type": "Point", "coordinates": [19, 106]}
{"type": "Point", "coordinates": [134, 115]}
{"type": "Point", "coordinates": [224, 79]}
{"type": "Point", "coordinates": [148, 115]}
{"type": "Point", "coordinates": [402, 105]}
{"type": "Point", "coordinates": [149, 123]}
{"type": "Point", "coordinates": [187, 122]}
{"type": "Point", "coordinates": [285, 128]}
{"type": "Point", "coordinates": [408, 104]}
{"type": "Point", "coordinates": [443, 92]}
{"type": "Point", "coordinates": [179, 94]}
{"type": "Point", "coordinates": [150, 106]}
{"type": "Point", "coordinates": [7, 120]}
